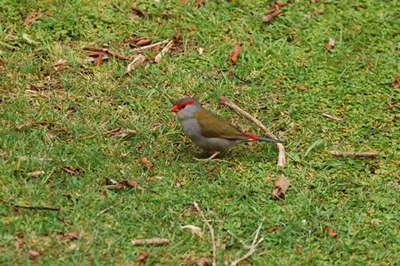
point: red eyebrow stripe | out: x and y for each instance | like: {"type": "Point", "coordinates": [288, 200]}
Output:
{"type": "Point", "coordinates": [182, 104]}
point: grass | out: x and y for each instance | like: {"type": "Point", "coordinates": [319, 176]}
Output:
{"type": "Point", "coordinates": [52, 119]}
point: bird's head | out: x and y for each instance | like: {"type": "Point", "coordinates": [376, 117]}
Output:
{"type": "Point", "coordinates": [186, 107]}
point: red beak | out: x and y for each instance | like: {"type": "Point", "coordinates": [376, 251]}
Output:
{"type": "Point", "coordinates": [174, 109]}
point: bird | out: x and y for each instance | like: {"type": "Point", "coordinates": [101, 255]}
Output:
{"type": "Point", "coordinates": [207, 130]}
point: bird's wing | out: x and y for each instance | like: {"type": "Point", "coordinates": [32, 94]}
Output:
{"type": "Point", "coordinates": [213, 126]}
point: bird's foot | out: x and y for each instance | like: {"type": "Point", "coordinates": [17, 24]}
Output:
{"type": "Point", "coordinates": [212, 157]}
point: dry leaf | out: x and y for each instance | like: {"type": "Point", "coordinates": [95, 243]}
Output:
{"type": "Point", "coordinates": [71, 170]}
{"type": "Point", "coordinates": [376, 221]}
{"type": "Point", "coordinates": [234, 54]}
{"type": "Point", "coordinates": [119, 132]}
{"type": "Point", "coordinates": [270, 15]}
{"type": "Point", "coordinates": [142, 257]}
{"type": "Point", "coordinates": [19, 243]}
{"type": "Point", "coordinates": [329, 231]}
{"type": "Point", "coordinates": [104, 53]}
{"type": "Point", "coordinates": [143, 41]}
{"type": "Point", "coordinates": [138, 12]}
{"type": "Point", "coordinates": [332, 117]}
{"type": "Point", "coordinates": [36, 173]}
{"type": "Point", "coordinates": [199, 3]}
{"type": "Point", "coordinates": [146, 162]}
{"type": "Point", "coordinates": [280, 187]}
{"type": "Point", "coordinates": [131, 183]}
{"type": "Point", "coordinates": [156, 48]}
{"type": "Point", "coordinates": [330, 44]}
{"type": "Point", "coordinates": [72, 246]}
{"type": "Point", "coordinates": [200, 50]}
{"type": "Point", "coordinates": [204, 261]}
{"type": "Point", "coordinates": [179, 183]}
{"type": "Point", "coordinates": [212, 169]}
{"type": "Point", "coordinates": [137, 41]}
{"type": "Point", "coordinates": [32, 17]}
{"type": "Point", "coordinates": [274, 12]}
{"type": "Point", "coordinates": [279, 4]}
{"type": "Point", "coordinates": [59, 64]}
{"type": "Point", "coordinates": [137, 60]}
{"type": "Point", "coordinates": [69, 236]}
{"type": "Point", "coordinates": [118, 185]}
{"type": "Point", "coordinates": [194, 229]}
{"type": "Point", "coordinates": [113, 185]}
{"type": "Point", "coordinates": [272, 229]}
{"type": "Point", "coordinates": [318, 11]}
{"type": "Point", "coordinates": [177, 40]}
{"type": "Point", "coordinates": [33, 254]}
{"type": "Point", "coordinates": [396, 82]}
{"type": "Point", "coordinates": [97, 57]}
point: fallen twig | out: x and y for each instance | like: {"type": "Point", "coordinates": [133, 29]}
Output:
{"type": "Point", "coordinates": [281, 156]}
{"type": "Point", "coordinates": [106, 51]}
{"type": "Point", "coordinates": [252, 248]}
{"type": "Point", "coordinates": [332, 117]}
{"type": "Point", "coordinates": [281, 149]}
{"type": "Point", "coordinates": [137, 60]}
{"type": "Point", "coordinates": [40, 208]}
{"type": "Point", "coordinates": [165, 50]}
{"type": "Point", "coordinates": [366, 154]}
{"type": "Point", "coordinates": [150, 241]}
{"type": "Point", "coordinates": [140, 49]}
{"type": "Point", "coordinates": [213, 243]}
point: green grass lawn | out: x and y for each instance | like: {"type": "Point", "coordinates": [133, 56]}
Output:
{"type": "Point", "coordinates": [52, 119]}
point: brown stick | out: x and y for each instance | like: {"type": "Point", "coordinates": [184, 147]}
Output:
{"type": "Point", "coordinates": [150, 241]}
{"type": "Point", "coordinates": [252, 249]}
{"type": "Point", "coordinates": [367, 154]}
{"type": "Point", "coordinates": [213, 243]}
{"type": "Point", "coordinates": [165, 50]}
{"type": "Point", "coordinates": [332, 117]}
{"type": "Point", "coordinates": [140, 49]}
{"type": "Point", "coordinates": [40, 208]}
{"type": "Point", "coordinates": [106, 51]}
{"type": "Point", "coordinates": [281, 149]}
{"type": "Point", "coordinates": [137, 60]}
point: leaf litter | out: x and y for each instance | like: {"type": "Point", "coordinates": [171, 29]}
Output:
{"type": "Point", "coordinates": [112, 184]}
{"type": "Point", "coordinates": [195, 230]}
{"type": "Point", "coordinates": [273, 12]}
{"type": "Point", "coordinates": [234, 54]}
{"type": "Point", "coordinates": [142, 257]}
{"type": "Point", "coordinates": [31, 18]}
{"type": "Point", "coordinates": [330, 44]}
{"type": "Point", "coordinates": [146, 163]}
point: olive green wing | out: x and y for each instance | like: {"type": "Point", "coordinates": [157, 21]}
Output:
{"type": "Point", "coordinates": [213, 126]}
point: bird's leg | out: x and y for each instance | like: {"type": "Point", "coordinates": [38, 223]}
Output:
{"type": "Point", "coordinates": [215, 154]}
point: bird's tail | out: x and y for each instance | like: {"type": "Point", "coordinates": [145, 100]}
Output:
{"type": "Point", "coordinates": [254, 137]}
{"type": "Point", "coordinates": [265, 138]}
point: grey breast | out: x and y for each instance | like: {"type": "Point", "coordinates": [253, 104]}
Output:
{"type": "Point", "coordinates": [193, 131]}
